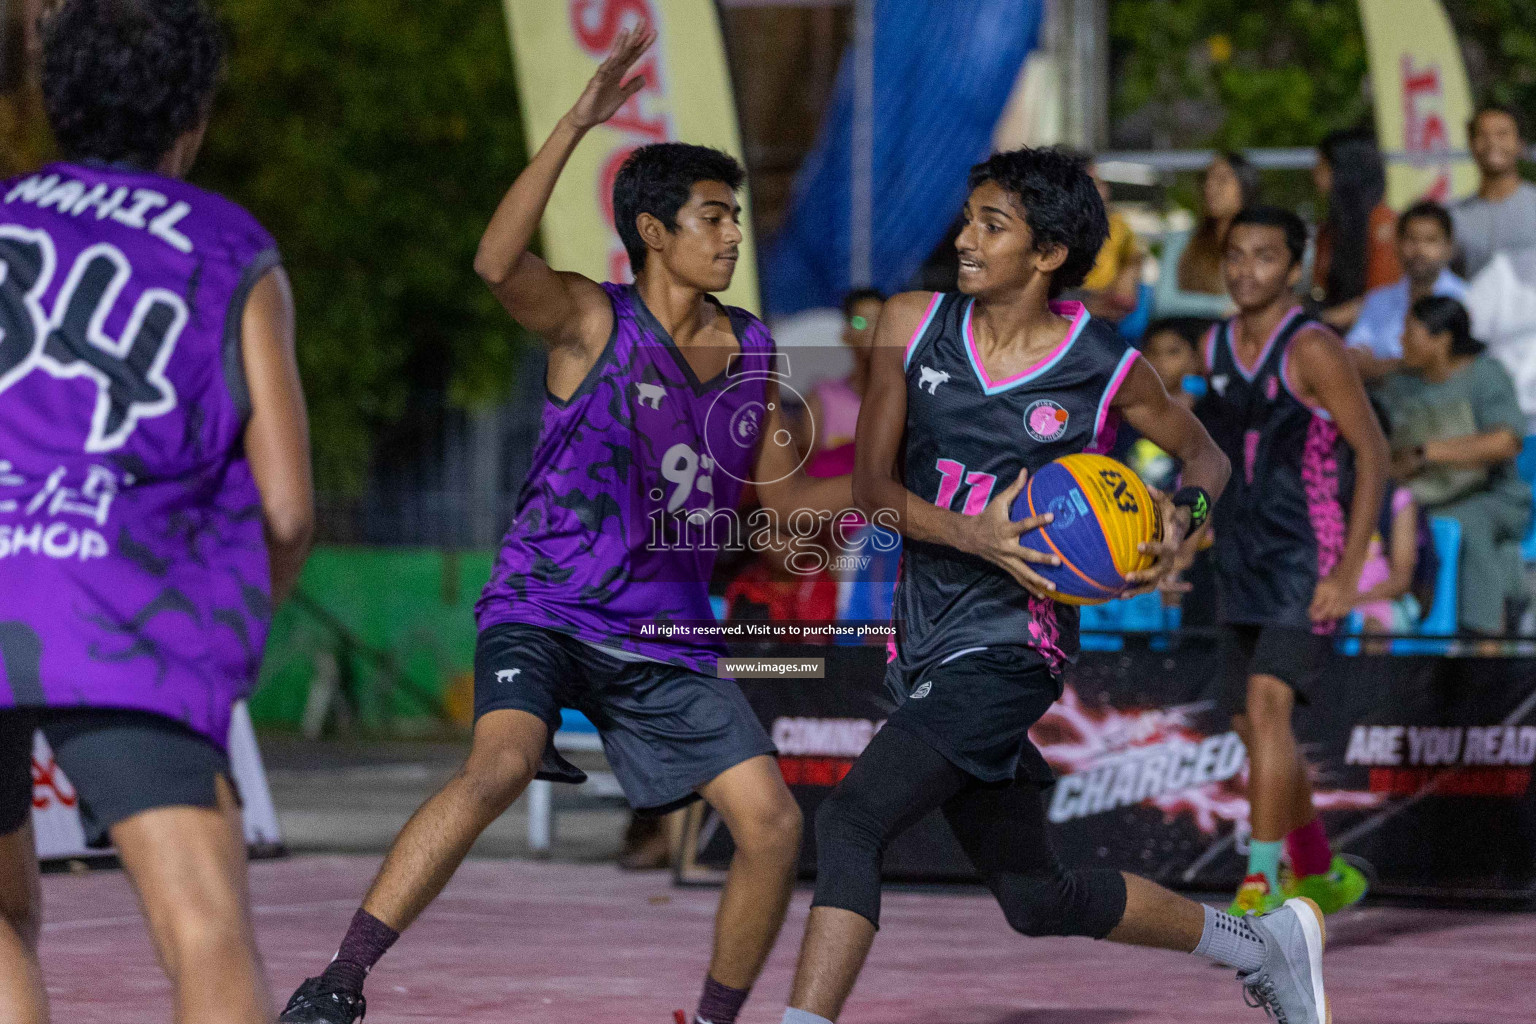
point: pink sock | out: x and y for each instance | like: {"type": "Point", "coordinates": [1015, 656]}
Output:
{"type": "Point", "coordinates": [1309, 850]}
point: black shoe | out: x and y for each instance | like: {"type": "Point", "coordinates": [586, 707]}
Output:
{"type": "Point", "coordinates": [318, 1003]}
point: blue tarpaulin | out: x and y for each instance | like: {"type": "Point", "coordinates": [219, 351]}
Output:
{"type": "Point", "coordinates": [942, 73]}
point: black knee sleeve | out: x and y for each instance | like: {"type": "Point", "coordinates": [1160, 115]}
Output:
{"type": "Point", "coordinates": [1088, 902]}
{"type": "Point", "coordinates": [848, 852]}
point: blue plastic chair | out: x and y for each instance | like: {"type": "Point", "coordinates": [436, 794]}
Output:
{"type": "Point", "coordinates": [1442, 618]}
{"type": "Point", "coordinates": [1133, 326]}
{"type": "Point", "coordinates": [1100, 627]}
{"type": "Point", "coordinates": [575, 721]}
{"type": "Point", "coordinates": [1525, 464]}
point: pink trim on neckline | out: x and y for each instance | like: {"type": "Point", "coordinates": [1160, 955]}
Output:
{"type": "Point", "coordinates": [1076, 310]}
{"type": "Point", "coordinates": [1121, 372]}
{"type": "Point", "coordinates": [1268, 345]}
{"type": "Point", "coordinates": [922, 327]}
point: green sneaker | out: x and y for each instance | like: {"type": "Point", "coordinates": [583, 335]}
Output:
{"type": "Point", "coordinates": [1343, 886]}
{"type": "Point", "coordinates": [1254, 897]}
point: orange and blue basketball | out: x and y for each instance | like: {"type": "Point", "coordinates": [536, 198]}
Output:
{"type": "Point", "coordinates": [1103, 514]}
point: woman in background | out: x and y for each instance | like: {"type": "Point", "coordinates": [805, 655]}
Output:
{"type": "Point", "coordinates": [1190, 282]}
{"type": "Point", "coordinates": [1357, 243]}
{"type": "Point", "coordinates": [1456, 431]}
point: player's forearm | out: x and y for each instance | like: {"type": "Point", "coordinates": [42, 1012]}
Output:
{"type": "Point", "coordinates": [289, 534]}
{"type": "Point", "coordinates": [517, 217]}
{"type": "Point", "coordinates": [1370, 486]}
{"type": "Point", "coordinates": [821, 495]}
{"type": "Point", "coordinates": [1209, 469]}
{"type": "Point", "coordinates": [889, 503]}
{"type": "Point", "coordinates": [1488, 449]}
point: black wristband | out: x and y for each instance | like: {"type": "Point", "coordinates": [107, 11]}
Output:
{"type": "Point", "coordinates": [1197, 501]}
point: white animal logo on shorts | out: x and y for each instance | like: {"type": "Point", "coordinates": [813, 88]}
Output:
{"type": "Point", "coordinates": [506, 675]}
{"type": "Point", "coordinates": [931, 379]}
{"type": "Point", "coordinates": [651, 394]}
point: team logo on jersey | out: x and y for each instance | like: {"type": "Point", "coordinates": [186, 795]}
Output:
{"type": "Point", "coordinates": [1045, 420]}
{"type": "Point", "coordinates": [922, 691]}
{"type": "Point", "coordinates": [650, 394]}
{"type": "Point", "coordinates": [745, 424]}
{"type": "Point", "coordinates": [931, 379]}
{"type": "Point", "coordinates": [1219, 382]}
{"type": "Point", "coordinates": [1271, 387]}
{"type": "Point", "coordinates": [506, 675]}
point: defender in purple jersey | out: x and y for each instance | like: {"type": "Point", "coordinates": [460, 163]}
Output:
{"type": "Point", "coordinates": [955, 383]}
{"type": "Point", "coordinates": [154, 493]}
{"type": "Point", "coordinates": [1292, 534]}
{"type": "Point", "coordinates": [661, 405]}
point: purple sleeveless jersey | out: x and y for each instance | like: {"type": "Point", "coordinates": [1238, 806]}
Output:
{"type": "Point", "coordinates": [133, 569]}
{"type": "Point", "coordinates": [632, 490]}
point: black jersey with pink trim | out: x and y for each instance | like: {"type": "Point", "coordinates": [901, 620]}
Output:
{"type": "Point", "coordinates": [1280, 523]}
{"type": "Point", "coordinates": [967, 436]}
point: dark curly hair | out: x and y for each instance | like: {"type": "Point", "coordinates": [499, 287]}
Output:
{"type": "Point", "coordinates": [658, 179]}
{"type": "Point", "coordinates": [1061, 205]}
{"type": "Point", "coordinates": [1293, 226]}
{"type": "Point", "coordinates": [123, 79]}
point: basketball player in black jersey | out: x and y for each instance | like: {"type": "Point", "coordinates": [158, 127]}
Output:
{"type": "Point", "coordinates": [969, 392]}
{"type": "Point", "coordinates": [1288, 408]}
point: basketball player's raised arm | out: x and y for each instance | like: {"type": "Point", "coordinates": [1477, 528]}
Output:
{"type": "Point", "coordinates": [562, 308]}
{"type": "Point", "coordinates": [879, 489]}
{"type": "Point", "coordinates": [1326, 375]}
{"type": "Point", "coordinates": [277, 434]}
{"type": "Point", "coordinates": [1144, 403]}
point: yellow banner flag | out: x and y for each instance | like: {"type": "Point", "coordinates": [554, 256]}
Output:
{"type": "Point", "coordinates": [556, 46]}
{"type": "Point", "coordinates": [1422, 99]}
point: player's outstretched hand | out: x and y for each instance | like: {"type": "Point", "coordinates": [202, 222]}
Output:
{"type": "Point", "coordinates": [607, 90]}
{"type": "Point", "coordinates": [995, 536]}
{"type": "Point", "coordinates": [1169, 557]}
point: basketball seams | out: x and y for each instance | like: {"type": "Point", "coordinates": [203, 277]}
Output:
{"type": "Point", "coordinates": [1045, 535]}
{"type": "Point", "coordinates": [1111, 527]}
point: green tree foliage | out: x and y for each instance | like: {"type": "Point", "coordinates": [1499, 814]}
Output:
{"type": "Point", "coordinates": [1287, 72]}
{"type": "Point", "coordinates": [374, 138]}
{"type": "Point", "coordinates": [1499, 40]}
{"type": "Point", "coordinates": [1282, 73]}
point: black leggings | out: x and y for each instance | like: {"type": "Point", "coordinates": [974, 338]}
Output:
{"type": "Point", "coordinates": [1002, 828]}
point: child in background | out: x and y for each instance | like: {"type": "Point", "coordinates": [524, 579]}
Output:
{"type": "Point", "coordinates": [1172, 347]}
{"type": "Point", "coordinates": [1385, 603]}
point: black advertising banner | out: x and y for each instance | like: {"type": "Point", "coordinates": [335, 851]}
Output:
{"type": "Point", "coordinates": [1421, 765]}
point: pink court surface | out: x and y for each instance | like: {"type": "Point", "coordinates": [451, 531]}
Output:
{"type": "Point", "coordinates": [515, 942]}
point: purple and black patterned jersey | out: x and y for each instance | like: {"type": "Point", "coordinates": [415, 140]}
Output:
{"type": "Point", "coordinates": [133, 567]}
{"type": "Point", "coordinates": [633, 487]}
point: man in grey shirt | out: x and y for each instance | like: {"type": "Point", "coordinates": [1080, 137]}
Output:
{"type": "Point", "coordinates": [1501, 214]}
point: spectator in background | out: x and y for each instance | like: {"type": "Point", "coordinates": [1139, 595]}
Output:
{"type": "Point", "coordinates": [1456, 430]}
{"type": "Point", "coordinates": [832, 408]}
{"type": "Point", "coordinates": [1190, 281]}
{"type": "Point", "coordinates": [1110, 289]}
{"type": "Point", "coordinates": [1356, 245]}
{"type": "Point", "coordinates": [1425, 244]}
{"type": "Point", "coordinates": [1172, 348]}
{"type": "Point", "coordinates": [1501, 214]}
{"type": "Point", "coordinates": [1387, 603]}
